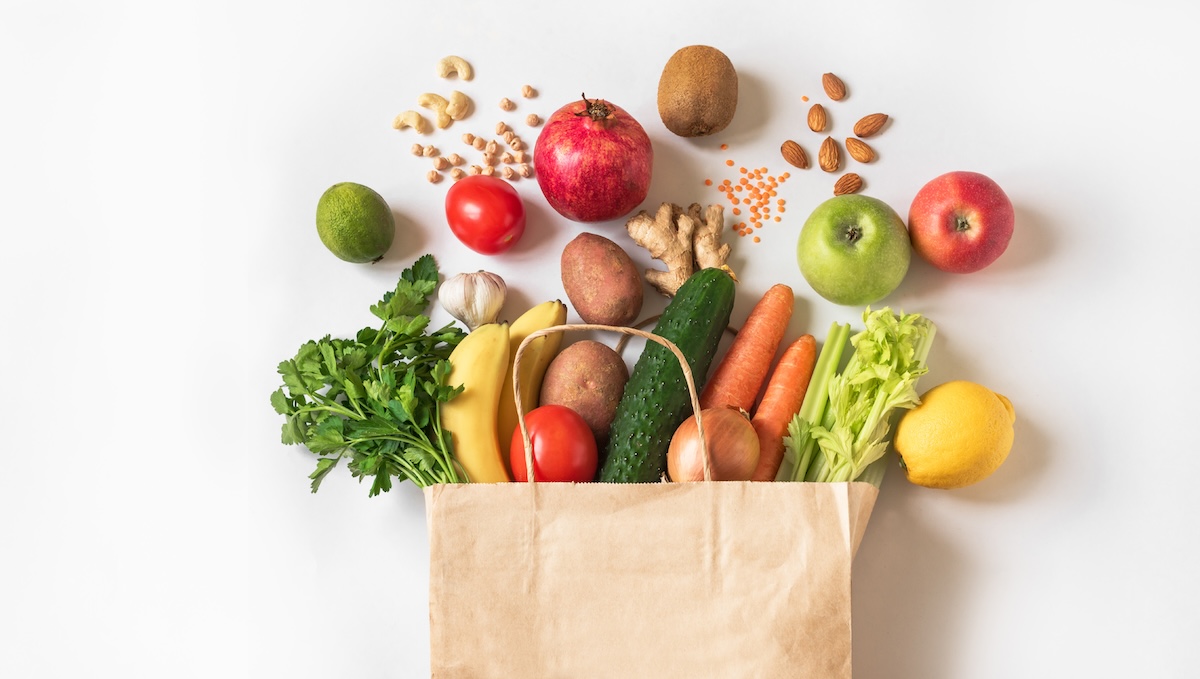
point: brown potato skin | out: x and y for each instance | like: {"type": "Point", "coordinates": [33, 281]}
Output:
{"type": "Point", "coordinates": [589, 378]}
{"type": "Point", "coordinates": [601, 280]}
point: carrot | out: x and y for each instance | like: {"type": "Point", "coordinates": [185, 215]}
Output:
{"type": "Point", "coordinates": [780, 403]}
{"type": "Point", "coordinates": [743, 370]}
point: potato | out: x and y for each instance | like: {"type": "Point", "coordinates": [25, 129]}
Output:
{"type": "Point", "coordinates": [589, 378]}
{"type": "Point", "coordinates": [601, 280]}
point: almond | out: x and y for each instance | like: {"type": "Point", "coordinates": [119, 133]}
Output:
{"type": "Point", "coordinates": [847, 183]}
{"type": "Point", "coordinates": [869, 126]}
{"type": "Point", "coordinates": [834, 87]}
{"type": "Point", "coordinates": [816, 118]}
{"type": "Point", "coordinates": [794, 155]}
{"type": "Point", "coordinates": [828, 157]}
{"type": "Point", "coordinates": [859, 150]}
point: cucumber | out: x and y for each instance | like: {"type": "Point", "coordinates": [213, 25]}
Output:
{"type": "Point", "coordinates": [656, 400]}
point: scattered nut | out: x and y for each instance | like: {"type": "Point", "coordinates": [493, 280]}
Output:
{"type": "Point", "coordinates": [528, 92]}
{"type": "Point", "coordinates": [501, 127]}
{"type": "Point", "coordinates": [411, 119]}
{"type": "Point", "coordinates": [491, 147]}
{"type": "Point", "coordinates": [794, 154]}
{"type": "Point", "coordinates": [455, 159]}
{"type": "Point", "coordinates": [507, 158]}
{"type": "Point", "coordinates": [436, 103]}
{"type": "Point", "coordinates": [508, 173]}
{"type": "Point", "coordinates": [434, 176]}
{"type": "Point", "coordinates": [509, 135]}
{"type": "Point", "coordinates": [441, 163]}
{"type": "Point", "coordinates": [859, 150]}
{"type": "Point", "coordinates": [468, 138]}
{"type": "Point", "coordinates": [518, 156]}
{"type": "Point", "coordinates": [516, 144]}
{"type": "Point", "coordinates": [479, 143]}
{"type": "Point", "coordinates": [869, 126]}
{"type": "Point", "coordinates": [816, 118]}
{"type": "Point", "coordinates": [507, 104]}
{"type": "Point", "coordinates": [489, 159]}
{"type": "Point", "coordinates": [458, 106]}
{"type": "Point", "coordinates": [454, 65]}
{"type": "Point", "coordinates": [828, 156]}
{"type": "Point", "coordinates": [457, 174]}
{"type": "Point", "coordinates": [525, 170]}
{"type": "Point", "coordinates": [488, 170]}
{"type": "Point", "coordinates": [429, 151]}
{"type": "Point", "coordinates": [475, 169]}
{"type": "Point", "coordinates": [533, 120]}
{"type": "Point", "coordinates": [847, 183]}
{"type": "Point", "coordinates": [417, 149]}
{"type": "Point", "coordinates": [834, 87]}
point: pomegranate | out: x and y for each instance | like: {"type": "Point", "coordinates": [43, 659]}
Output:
{"type": "Point", "coordinates": [593, 161]}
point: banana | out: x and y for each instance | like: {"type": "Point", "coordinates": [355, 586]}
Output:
{"type": "Point", "coordinates": [534, 362]}
{"type": "Point", "coordinates": [478, 363]}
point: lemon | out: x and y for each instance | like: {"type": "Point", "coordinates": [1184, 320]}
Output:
{"type": "Point", "coordinates": [959, 434]}
{"type": "Point", "coordinates": [355, 222]}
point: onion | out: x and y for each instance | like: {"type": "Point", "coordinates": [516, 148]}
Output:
{"type": "Point", "coordinates": [593, 161]}
{"type": "Point", "coordinates": [732, 447]}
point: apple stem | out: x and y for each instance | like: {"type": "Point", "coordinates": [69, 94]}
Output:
{"type": "Point", "coordinates": [961, 223]}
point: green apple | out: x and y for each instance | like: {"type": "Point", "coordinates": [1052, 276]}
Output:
{"type": "Point", "coordinates": [854, 250]}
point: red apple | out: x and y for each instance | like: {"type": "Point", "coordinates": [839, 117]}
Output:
{"type": "Point", "coordinates": [960, 222]}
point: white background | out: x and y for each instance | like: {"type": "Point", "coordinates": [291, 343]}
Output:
{"type": "Point", "coordinates": [161, 166]}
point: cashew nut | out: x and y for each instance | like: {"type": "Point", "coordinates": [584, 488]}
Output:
{"type": "Point", "coordinates": [454, 65]}
{"type": "Point", "coordinates": [411, 119]}
{"type": "Point", "coordinates": [436, 103]}
{"type": "Point", "coordinates": [459, 106]}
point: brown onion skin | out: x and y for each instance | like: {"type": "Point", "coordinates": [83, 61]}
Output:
{"type": "Point", "coordinates": [732, 444]}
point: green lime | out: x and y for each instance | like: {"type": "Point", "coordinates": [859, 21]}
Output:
{"type": "Point", "coordinates": [355, 222]}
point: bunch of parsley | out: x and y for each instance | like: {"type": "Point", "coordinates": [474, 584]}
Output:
{"type": "Point", "coordinates": [376, 400]}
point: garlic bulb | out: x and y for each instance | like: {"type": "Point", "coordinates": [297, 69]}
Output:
{"type": "Point", "coordinates": [473, 298]}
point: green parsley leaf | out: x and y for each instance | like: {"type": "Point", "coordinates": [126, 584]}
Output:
{"type": "Point", "coordinates": [373, 399]}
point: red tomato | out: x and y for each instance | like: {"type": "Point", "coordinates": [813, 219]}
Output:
{"type": "Point", "coordinates": [485, 213]}
{"type": "Point", "coordinates": [564, 448]}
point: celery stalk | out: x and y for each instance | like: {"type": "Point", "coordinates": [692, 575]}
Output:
{"type": "Point", "coordinates": [880, 378]}
{"type": "Point", "coordinates": [799, 446]}
{"type": "Point", "coordinates": [874, 472]}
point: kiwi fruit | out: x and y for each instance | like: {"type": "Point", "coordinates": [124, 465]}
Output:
{"type": "Point", "coordinates": [698, 91]}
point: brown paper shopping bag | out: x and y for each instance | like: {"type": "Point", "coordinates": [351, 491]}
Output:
{"type": "Point", "coordinates": [689, 580]}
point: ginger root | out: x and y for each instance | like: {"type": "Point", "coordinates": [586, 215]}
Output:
{"type": "Point", "coordinates": [684, 240]}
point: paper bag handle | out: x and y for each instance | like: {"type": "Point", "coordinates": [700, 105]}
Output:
{"type": "Point", "coordinates": [687, 375]}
